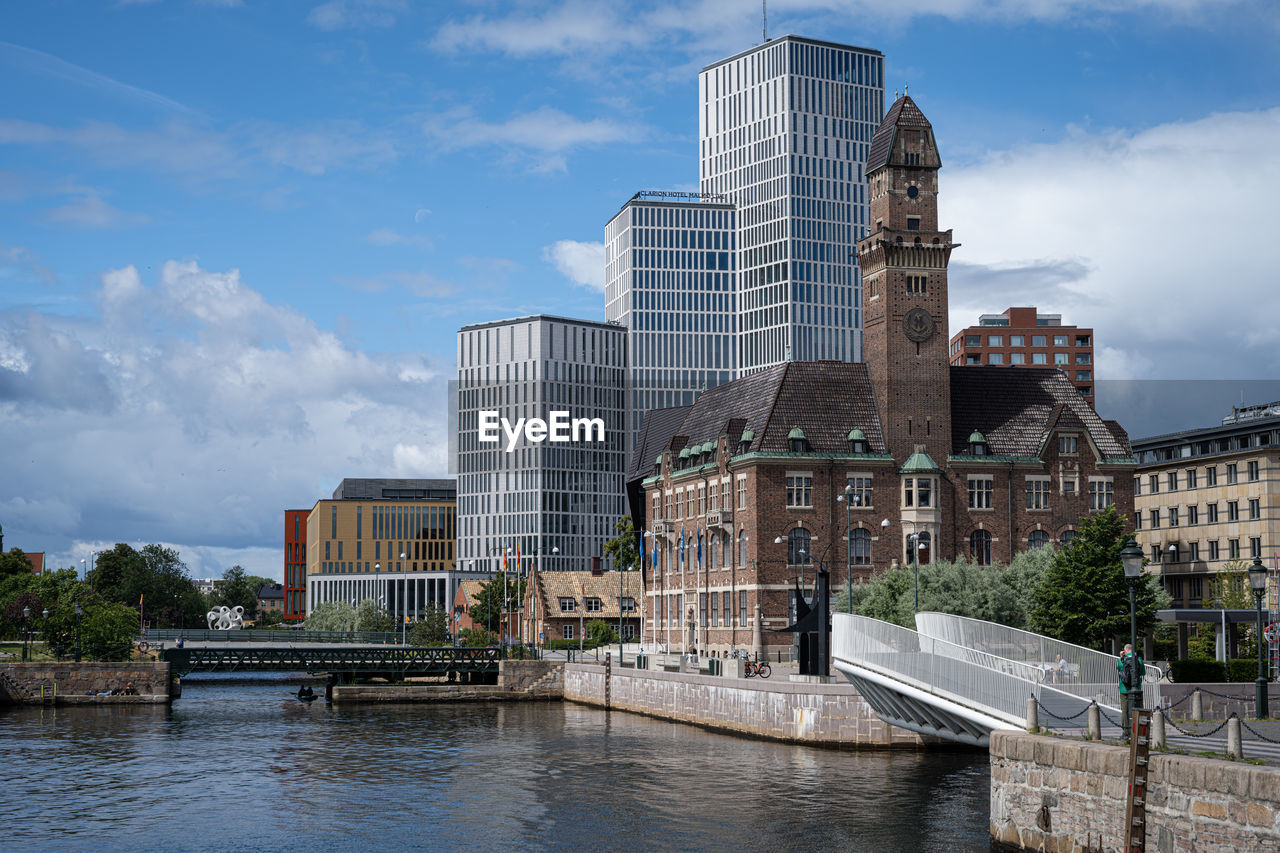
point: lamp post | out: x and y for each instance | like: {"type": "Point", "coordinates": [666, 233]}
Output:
{"type": "Point", "coordinates": [1131, 559]}
{"type": "Point", "coordinates": [804, 555]}
{"type": "Point", "coordinates": [1258, 580]}
{"type": "Point", "coordinates": [849, 498]}
{"type": "Point", "coordinates": [387, 598]}
{"type": "Point", "coordinates": [79, 613]}
{"type": "Point", "coordinates": [26, 632]}
{"type": "Point", "coordinates": [916, 546]}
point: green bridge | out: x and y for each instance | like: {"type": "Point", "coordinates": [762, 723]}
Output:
{"type": "Point", "coordinates": [342, 663]}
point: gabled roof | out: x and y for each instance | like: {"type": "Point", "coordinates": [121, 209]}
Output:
{"type": "Point", "coordinates": [1017, 409]}
{"type": "Point", "coordinates": [552, 586]}
{"type": "Point", "coordinates": [655, 436]}
{"type": "Point", "coordinates": [903, 113]}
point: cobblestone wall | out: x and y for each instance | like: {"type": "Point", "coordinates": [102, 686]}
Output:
{"type": "Point", "coordinates": [22, 682]}
{"type": "Point", "coordinates": [824, 714]}
{"type": "Point", "coordinates": [1056, 794]}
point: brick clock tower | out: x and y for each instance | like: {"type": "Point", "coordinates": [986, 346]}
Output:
{"type": "Point", "coordinates": [904, 261]}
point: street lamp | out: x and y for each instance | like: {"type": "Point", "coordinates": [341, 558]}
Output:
{"type": "Point", "coordinates": [1258, 580]}
{"type": "Point", "coordinates": [79, 613]}
{"type": "Point", "coordinates": [26, 632]}
{"type": "Point", "coordinates": [849, 498]}
{"type": "Point", "coordinates": [782, 540]}
{"type": "Point", "coordinates": [1131, 559]}
{"type": "Point", "coordinates": [916, 546]}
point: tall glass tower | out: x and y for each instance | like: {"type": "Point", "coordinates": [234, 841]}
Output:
{"type": "Point", "coordinates": [784, 130]}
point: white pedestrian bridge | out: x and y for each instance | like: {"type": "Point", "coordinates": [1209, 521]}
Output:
{"type": "Point", "coordinates": [960, 679]}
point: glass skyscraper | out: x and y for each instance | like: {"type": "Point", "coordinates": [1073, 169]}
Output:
{"type": "Point", "coordinates": [670, 281]}
{"type": "Point", "coordinates": [784, 130]}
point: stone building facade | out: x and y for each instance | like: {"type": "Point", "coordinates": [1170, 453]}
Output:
{"type": "Point", "coordinates": [860, 466]}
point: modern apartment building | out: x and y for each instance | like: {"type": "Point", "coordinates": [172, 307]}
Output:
{"type": "Point", "coordinates": [784, 130]}
{"type": "Point", "coordinates": [1023, 337]}
{"type": "Point", "coordinates": [542, 488]}
{"type": "Point", "coordinates": [1208, 498]}
{"type": "Point", "coordinates": [389, 540]}
{"type": "Point", "coordinates": [671, 284]}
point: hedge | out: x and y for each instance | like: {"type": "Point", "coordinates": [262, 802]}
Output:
{"type": "Point", "coordinates": [1194, 671]}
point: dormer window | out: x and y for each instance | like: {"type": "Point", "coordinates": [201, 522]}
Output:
{"type": "Point", "coordinates": [684, 457]}
{"type": "Point", "coordinates": [978, 444]}
{"type": "Point", "coordinates": [744, 442]}
{"type": "Point", "coordinates": [799, 444]}
{"type": "Point", "coordinates": [857, 441]}
{"type": "Point", "coordinates": [657, 466]}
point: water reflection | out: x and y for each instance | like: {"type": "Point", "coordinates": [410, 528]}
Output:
{"type": "Point", "coordinates": [248, 767]}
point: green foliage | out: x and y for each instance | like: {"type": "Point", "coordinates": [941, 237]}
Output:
{"type": "Point", "coordinates": [154, 580]}
{"type": "Point", "coordinates": [432, 629]}
{"type": "Point", "coordinates": [1084, 598]}
{"type": "Point", "coordinates": [107, 631]}
{"type": "Point", "coordinates": [1243, 669]}
{"type": "Point", "coordinates": [1230, 587]}
{"type": "Point", "coordinates": [269, 619]}
{"type": "Point", "coordinates": [239, 589]}
{"type": "Point", "coordinates": [332, 616]}
{"type": "Point", "coordinates": [477, 637]}
{"type": "Point", "coordinates": [14, 562]}
{"type": "Point", "coordinates": [504, 591]}
{"type": "Point", "coordinates": [622, 548]}
{"type": "Point", "coordinates": [994, 593]}
{"type": "Point", "coordinates": [107, 628]}
{"type": "Point", "coordinates": [371, 617]}
{"type": "Point", "coordinates": [600, 633]}
{"type": "Point", "coordinates": [1193, 671]}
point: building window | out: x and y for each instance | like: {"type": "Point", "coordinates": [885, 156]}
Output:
{"type": "Point", "coordinates": [1155, 519]}
{"type": "Point", "coordinates": [742, 491]}
{"type": "Point", "coordinates": [1101, 494]}
{"type": "Point", "coordinates": [1173, 481]}
{"type": "Point", "coordinates": [995, 358]}
{"type": "Point", "coordinates": [1082, 341]}
{"type": "Point", "coordinates": [917, 492]}
{"type": "Point", "coordinates": [1213, 549]}
{"type": "Point", "coordinates": [628, 604]}
{"type": "Point", "coordinates": [1067, 445]}
{"type": "Point", "coordinates": [980, 489]}
{"type": "Point", "coordinates": [1197, 588]}
{"type": "Point", "coordinates": [1039, 341]}
{"type": "Point", "coordinates": [593, 605]}
{"type": "Point", "coordinates": [917, 284]}
{"type": "Point", "coordinates": [1255, 546]}
{"type": "Point", "coordinates": [1211, 475]}
{"type": "Point", "coordinates": [567, 604]}
{"type": "Point", "coordinates": [1233, 549]}
{"type": "Point", "coordinates": [1060, 358]}
{"type": "Point", "coordinates": [861, 494]}
{"type": "Point", "coordinates": [1039, 358]}
{"type": "Point", "coordinates": [1066, 538]}
{"type": "Point", "coordinates": [742, 608]}
{"type": "Point", "coordinates": [1060, 341]}
{"type": "Point", "coordinates": [702, 499]}
{"type": "Point", "coordinates": [742, 549]}
{"type": "Point", "coordinates": [1255, 509]}
{"type": "Point", "coordinates": [713, 496]}
{"type": "Point", "coordinates": [1137, 519]}
{"type": "Point", "coordinates": [1191, 478]}
{"type": "Point", "coordinates": [1017, 341]}
{"type": "Point", "coordinates": [1156, 554]}
{"type": "Point", "coordinates": [1253, 471]}
{"type": "Point", "coordinates": [1194, 553]}
{"type": "Point", "coordinates": [1038, 493]}
{"type": "Point", "coordinates": [973, 340]}
{"type": "Point", "coordinates": [1193, 515]}
{"type": "Point", "coordinates": [1233, 473]}
{"type": "Point", "coordinates": [980, 547]}
{"type": "Point", "coordinates": [800, 491]}
{"type": "Point", "coordinates": [566, 631]}
{"type": "Point", "coordinates": [1083, 358]}
{"type": "Point", "coordinates": [1173, 516]}
{"type": "Point", "coordinates": [1153, 482]}
{"type": "Point", "coordinates": [1038, 539]}
{"type": "Point", "coordinates": [1233, 510]}
{"type": "Point", "coordinates": [1017, 358]}
{"type": "Point", "coordinates": [860, 546]}
{"type": "Point", "coordinates": [913, 223]}
{"type": "Point", "coordinates": [973, 359]}
{"type": "Point", "coordinates": [995, 340]}
{"type": "Point", "coordinates": [798, 547]}
{"type": "Point", "coordinates": [1211, 512]}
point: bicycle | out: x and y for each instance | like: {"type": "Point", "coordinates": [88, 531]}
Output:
{"type": "Point", "coordinates": [752, 668]}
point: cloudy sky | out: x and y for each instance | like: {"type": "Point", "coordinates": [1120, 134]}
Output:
{"type": "Point", "coordinates": [237, 238]}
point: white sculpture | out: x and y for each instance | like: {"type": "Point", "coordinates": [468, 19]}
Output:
{"type": "Point", "coordinates": [225, 618]}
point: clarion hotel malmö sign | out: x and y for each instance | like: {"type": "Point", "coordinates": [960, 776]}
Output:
{"type": "Point", "coordinates": [559, 428]}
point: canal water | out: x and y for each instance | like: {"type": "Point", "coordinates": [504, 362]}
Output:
{"type": "Point", "coordinates": [246, 767]}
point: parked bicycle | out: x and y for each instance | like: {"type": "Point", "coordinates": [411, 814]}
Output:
{"type": "Point", "coordinates": [755, 667]}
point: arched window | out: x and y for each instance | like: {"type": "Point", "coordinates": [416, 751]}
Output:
{"type": "Point", "coordinates": [798, 547]}
{"type": "Point", "coordinates": [980, 547]}
{"type": "Point", "coordinates": [1038, 539]}
{"type": "Point", "coordinates": [924, 548]}
{"type": "Point", "coordinates": [860, 546]}
{"type": "Point", "coordinates": [742, 549]}
{"type": "Point", "coordinates": [1065, 539]}
{"type": "Point", "coordinates": [713, 559]}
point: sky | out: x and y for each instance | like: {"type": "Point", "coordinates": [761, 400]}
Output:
{"type": "Point", "coordinates": [238, 237]}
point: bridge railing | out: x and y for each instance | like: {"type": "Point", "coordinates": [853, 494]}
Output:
{"type": "Point", "coordinates": [1088, 674]}
{"type": "Point", "coordinates": [979, 680]}
{"type": "Point", "coordinates": [251, 635]}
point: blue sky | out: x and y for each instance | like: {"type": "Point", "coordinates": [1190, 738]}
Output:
{"type": "Point", "coordinates": [237, 238]}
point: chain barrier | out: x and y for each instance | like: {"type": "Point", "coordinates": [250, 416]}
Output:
{"type": "Point", "coordinates": [1049, 713]}
{"type": "Point", "coordinates": [1225, 695]}
{"type": "Point", "coordinates": [1209, 733]}
{"type": "Point", "coordinates": [1257, 733]}
{"type": "Point", "coordinates": [1107, 717]}
{"type": "Point", "coordinates": [1169, 706]}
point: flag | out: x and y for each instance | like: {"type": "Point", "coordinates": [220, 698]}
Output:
{"type": "Point", "coordinates": [699, 545]}
{"type": "Point", "coordinates": [517, 555]}
{"type": "Point", "coordinates": [139, 600]}
{"type": "Point", "coordinates": [640, 561]}
{"type": "Point", "coordinates": [504, 558]}
{"type": "Point", "coordinates": [655, 552]}
{"type": "Point", "coordinates": [682, 547]}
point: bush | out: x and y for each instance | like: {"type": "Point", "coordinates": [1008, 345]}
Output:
{"type": "Point", "coordinates": [1194, 670]}
{"type": "Point", "coordinates": [1243, 669]}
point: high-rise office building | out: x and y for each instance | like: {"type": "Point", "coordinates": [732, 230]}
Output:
{"type": "Point", "coordinates": [784, 130]}
{"type": "Point", "coordinates": [1024, 337]}
{"type": "Point", "coordinates": [548, 487]}
{"type": "Point", "coordinates": [670, 282]}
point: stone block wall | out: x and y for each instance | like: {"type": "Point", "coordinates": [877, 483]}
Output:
{"type": "Point", "coordinates": [21, 682]}
{"type": "Point", "coordinates": [520, 675]}
{"type": "Point", "coordinates": [1059, 794]}
{"type": "Point", "coordinates": [820, 714]}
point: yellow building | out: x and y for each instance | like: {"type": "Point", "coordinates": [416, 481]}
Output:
{"type": "Point", "coordinates": [389, 540]}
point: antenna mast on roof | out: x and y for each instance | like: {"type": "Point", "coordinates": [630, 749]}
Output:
{"type": "Point", "coordinates": [764, 26]}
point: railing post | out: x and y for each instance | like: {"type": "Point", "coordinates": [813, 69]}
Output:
{"type": "Point", "coordinates": [1234, 747]}
{"type": "Point", "coordinates": [1157, 729]}
{"type": "Point", "coordinates": [1197, 705]}
{"type": "Point", "coordinates": [1033, 717]}
{"type": "Point", "coordinates": [1094, 722]}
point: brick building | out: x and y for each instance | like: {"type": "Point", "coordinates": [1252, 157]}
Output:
{"type": "Point", "coordinates": [559, 605]}
{"type": "Point", "coordinates": [858, 465]}
{"type": "Point", "coordinates": [295, 564]}
{"type": "Point", "coordinates": [1023, 337]}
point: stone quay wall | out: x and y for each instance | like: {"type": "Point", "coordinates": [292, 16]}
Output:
{"type": "Point", "coordinates": [518, 680]}
{"type": "Point", "coordinates": [21, 683]}
{"type": "Point", "coordinates": [1055, 794]}
{"type": "Point", "coordinates": [832, 714]}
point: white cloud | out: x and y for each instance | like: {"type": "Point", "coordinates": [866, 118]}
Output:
{"type": "Point", "coordinates": [189, 410]}
{"type": "Point", "coordinates": [48, 65]}
{"type": "Point", "coordinates": [581, 263]}
{"type": "Point", "coordinates": [1159, 239]}
{"type": "Point", "coordinates": [90, 211]}
{"type": "Point", "coordinates": [356, 14]}
{"type": "Point", "coordinates": [392, 237]}
{"type": "Point", "coordinates": [546, 132]}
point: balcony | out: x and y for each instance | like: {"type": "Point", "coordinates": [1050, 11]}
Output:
{"type": "Point", "coordinates": [720, 518]}
{"type": "Point", "coordinates": [662, 528]}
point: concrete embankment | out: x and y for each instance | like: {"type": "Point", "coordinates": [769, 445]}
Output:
{"type": "Point", "coordinates": [832, 714]}
{"type": "Point", "coordinates": [518, 681]}
{"type": "Point", "coordinates": [1052, 793]}
{"type": "Point", "coordinates": [69, 683]}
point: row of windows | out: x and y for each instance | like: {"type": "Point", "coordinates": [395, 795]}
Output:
{"type": "Point", "coordinates": [1174, 515]}
{"type": "Point", "coordinates": [670, 609]}
{"type": "Point", "coordinates": [1021, 340]}
{"type": "Point", "coordinates": [1191, 551]}
{"type": "Point", "coordinates": [1061, 359]}
{"type": "Point", "coordinates": [1209, 447]}
{"type": "Point", "coordinates": [1191, 477]}
{"type": "Point", "coordinates": [593, 604]}
{"type": "Point", "coordinates": [919, 491]}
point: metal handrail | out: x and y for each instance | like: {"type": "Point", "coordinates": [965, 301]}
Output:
{"type": "Point", "coordinates": [287, 635]}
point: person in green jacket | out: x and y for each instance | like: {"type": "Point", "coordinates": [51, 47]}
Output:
{"type": "Point", "coordinates": [1130, 678]}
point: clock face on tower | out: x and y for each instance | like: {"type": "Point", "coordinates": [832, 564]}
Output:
{"type": "Point", "coordinates": [918, 325]}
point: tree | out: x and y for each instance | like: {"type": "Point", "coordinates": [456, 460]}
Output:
{"type": "Point", "coordinates": [371, 617]}
{"type": "Point", "coordinates": [622, 547]}
{"type": "Point", "coordinates": [1084, 598]}
{"type": "Point", "coordinates": [153, 580]}
{"type": "Point", "coordinates": [332, 616]}
{"type": "Point", "coordinates": [432, 629]}
{"type": "Point", "coordinates": [14, 562]}
{"type": "Point", "coordinates": [239, 589]}
{"type": "Point", "coordinates": [503, 592]}
{"type": "Point", "coordinates": [107, 631]}
{"type": "Point", "coordinates": [477, 637]}
{"type": "Point", "coordinates": [600, 633]}
{"type": "Point", "coordinates": [106, 628]}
